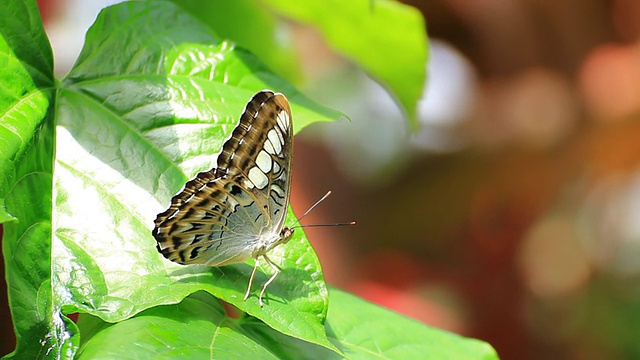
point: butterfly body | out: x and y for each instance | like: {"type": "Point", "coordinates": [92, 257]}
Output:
{"type": "Point", "coordinates": [236, 210]}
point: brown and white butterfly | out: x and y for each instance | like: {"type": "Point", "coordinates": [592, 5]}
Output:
{"type": "Point", "coordinates": [236, 210]}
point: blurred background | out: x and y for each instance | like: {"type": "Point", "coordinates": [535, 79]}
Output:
{"type": "Point", "coordinates": [513, 214]}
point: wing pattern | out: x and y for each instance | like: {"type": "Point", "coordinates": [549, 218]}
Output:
{"type": "Point", "coordinates": [237, 209]}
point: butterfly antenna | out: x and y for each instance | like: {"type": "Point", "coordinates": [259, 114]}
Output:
{"type": "Point", "coordinates": [313, 206]}
{"type": "Point", "coordinates": [319, 225]}
{"type": "Point", "coordinates": [334, 224]}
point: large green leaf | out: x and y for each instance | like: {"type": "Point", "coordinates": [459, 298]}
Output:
{"type": "Point", "coordinates": [360, 329]}
{"type": "Point", "coordinates": [384, 37]}
{"type": "Point", "coordinates": [130, 119]}
{"type": "Point", "coordinates": [160, 333]}
{"type": "Point", "coordinates": [150, 84]}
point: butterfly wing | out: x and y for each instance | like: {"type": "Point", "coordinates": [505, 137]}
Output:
{"type": "Point", "coordinates": [260, 150]}
{"type": "Point", "coordinates": [234, 211]}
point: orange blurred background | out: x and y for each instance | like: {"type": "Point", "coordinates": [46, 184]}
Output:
{"type": "Point", "coordinates": [513, 214]}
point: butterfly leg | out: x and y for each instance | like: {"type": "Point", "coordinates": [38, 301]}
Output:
{"type": "Point", "coordinates": [273, 277]}
{"type": "Point", "coordinates": [253, 273]}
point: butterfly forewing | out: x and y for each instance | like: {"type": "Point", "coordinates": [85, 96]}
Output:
{"type": "Point", "coordinates": [236, 210]}
{"type": "Point", "coordinates": [259, 152]}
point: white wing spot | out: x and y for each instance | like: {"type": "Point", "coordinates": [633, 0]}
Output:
{"type": "Point", "coordinates": [268, 147]}
{"type": "Point", "coordinates": [248, 184]}
{"type": "Point", "coordinates": [258, 178]}
{"type": "Point", "coordinates": [283, 120]}
{"type": "Point", "coordinates": [275, 140]}
{"type": "Point", "coordinates": [277, 189]}
{"type": "Point", "coordinates": [263, 160]}
{"type": "Point", "coordinates": [279, 133]}
{"type": "Point", "coordinates": [276, 167]}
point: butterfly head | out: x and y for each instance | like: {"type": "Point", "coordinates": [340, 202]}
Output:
{"type": "Point", "coordinates": [285, 235]}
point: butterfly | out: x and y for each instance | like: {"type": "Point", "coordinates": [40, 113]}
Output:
{"type": "Point", "coordinates": [236, 210]}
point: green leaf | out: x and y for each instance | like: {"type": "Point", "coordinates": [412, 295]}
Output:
{"type": "Point", "coordinates": [251, 27]}
{"type": "Point", "coordinates": [363, 330]}
{"type": "Point", "coordinates": [160, 333]}
{"type": "Point", "coordinates": [26, 152]}
{"type": "Point", "coordinates": [150, 84]}
{"type": "Point", "coordinates": [384, 37]}
{"type": "Point", "coordinates": [360, 329]}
